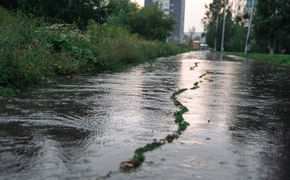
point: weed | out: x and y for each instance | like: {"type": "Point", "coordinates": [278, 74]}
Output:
{"type": "Point", "coordinates": [202, 75]}
{"type": "Point", "coordinates": [195, 85]}
{"type": "Point", "coordinates": [6, 91]}
{"type": "Point", "coordinates": [179, 119]}
{"type": "Point", "coordinates": [180, 91]}
{"type": "Point", "coordinates": [171, 137]}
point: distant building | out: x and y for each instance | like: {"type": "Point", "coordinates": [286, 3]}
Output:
{"type": "Point", "coordinates": [173, 7]}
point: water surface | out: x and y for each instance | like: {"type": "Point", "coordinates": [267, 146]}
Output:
{"type": "Point", "coordinates": [83, 127]}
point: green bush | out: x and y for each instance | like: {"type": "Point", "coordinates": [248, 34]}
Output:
{"type": "Point", "coordinates": [26, 53]}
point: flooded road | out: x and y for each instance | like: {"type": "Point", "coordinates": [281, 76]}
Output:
{"type": "Point", "coordinates": [82, 128]}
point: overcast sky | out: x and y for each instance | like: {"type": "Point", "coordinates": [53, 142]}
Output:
{"type": "Point", "coordinates": [194, 12]}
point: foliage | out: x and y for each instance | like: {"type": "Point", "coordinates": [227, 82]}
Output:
{"type": "Point", "coordinates": [270, 21]}
{"type": "Point", "coordinates": [6, 91]}
{"type": "Point", "coordinates": [189, 38]}
{"type": "Point", "coordinates": [270, 27]}
{"type": "Point", "coordinates": [151, 23]}
{"type": "Point", "coordinates": [123, 5]}
{"type": "Point", "coordinates": [237, 41]}
{"type": "Point", "coordinates": [24, 53]}
{"type": "Point", "coordinates": [209, 23]}
{"type": "Point", "coordinates": [277, 58]}
{"type": "Point", "coordinates": [197, 38]}
{"type": "Point", "coordinates": [32, 53]}
{"type": "Point", "coordinates": [71, 11]}
{"type": "Point", "coordinates": [120, 11]}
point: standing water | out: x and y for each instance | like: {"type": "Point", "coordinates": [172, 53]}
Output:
{"type": "Point", "coordinates": [85, 127]}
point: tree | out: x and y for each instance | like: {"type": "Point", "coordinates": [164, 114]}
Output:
{"type": "Point", "coordinates": [11, 4]}
{"type": "Point", "coordinates": [151, 23]}
{"type": "Point", "coordinates": [190, 36]}
{"type": "Point", "coordinates": [271, 19]}
{"type": "Point", "coordinates": [197, 38]}
{"type": "Point", "coordinates": [209, 23]}
{"type": "Point", "coordinates": [238, 40]}
{"type": "Point", "coordinates": [120, 11]}
{"type": "Point", "coordinates": [265, 21]}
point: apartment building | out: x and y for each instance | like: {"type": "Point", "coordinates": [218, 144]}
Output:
{"type": "Point", "coordinates": [242, 6]}
{"type": "Point", "coordinates": [173, 7]}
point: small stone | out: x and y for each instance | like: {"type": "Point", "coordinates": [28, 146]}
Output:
{"type": "Point", "coordinates": [207, 138]}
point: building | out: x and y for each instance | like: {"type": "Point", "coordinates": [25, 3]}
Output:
{"type": "Point", "coordinates": [242, 6]}
{"type": "Point", "coordinates": [173, 7]}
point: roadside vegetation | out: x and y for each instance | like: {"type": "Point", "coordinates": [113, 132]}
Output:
{"type": "Point", "coordinates": [35, 49]}
{"type": "Point", "coordinates": [270, 33]}
{"type": "Point", "coordinates": [276, 58]}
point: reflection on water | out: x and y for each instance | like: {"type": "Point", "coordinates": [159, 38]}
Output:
{"type": "Point", "coordinates": [239, 130]}
{"type": "Point", "coordinates": [84, 127]}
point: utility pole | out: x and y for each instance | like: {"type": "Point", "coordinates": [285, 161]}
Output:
{"type": "Point", "coordinates": [222, 48]}
{"type": "Point", "coordinates": [249, 28]}
{"type": "Point", "coordinates": [217, 22]}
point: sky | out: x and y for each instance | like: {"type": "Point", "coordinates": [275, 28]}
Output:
{"type": "Point", "coordinates": [194, 12]}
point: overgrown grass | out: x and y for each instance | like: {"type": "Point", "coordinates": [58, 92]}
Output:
{"type": "Point", "coordinates": [32, 52]}
{"type": "Point", "coordinates": [276, 58]}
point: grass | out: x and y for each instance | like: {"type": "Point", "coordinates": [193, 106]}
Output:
{"type": "Point", "coordinates": [202, 75]}
{"type": "Point", "coordinates": [32, 53]}
{"type": "Point", "coordinates": [195, 85]}
{"type": "Point", "coordinates": [5, 92]}
{"type": "Point", "coordinates": [276, 58]}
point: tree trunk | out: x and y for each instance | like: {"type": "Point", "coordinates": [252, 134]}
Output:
{"type": "Point", "coordinates": [272, 47]}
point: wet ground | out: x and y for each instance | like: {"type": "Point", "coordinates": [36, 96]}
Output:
{"type": "Point", "coordinates": [82, 128]}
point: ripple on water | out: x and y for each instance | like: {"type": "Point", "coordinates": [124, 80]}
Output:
{"type": "Point", "coordinates": [84, 127]}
